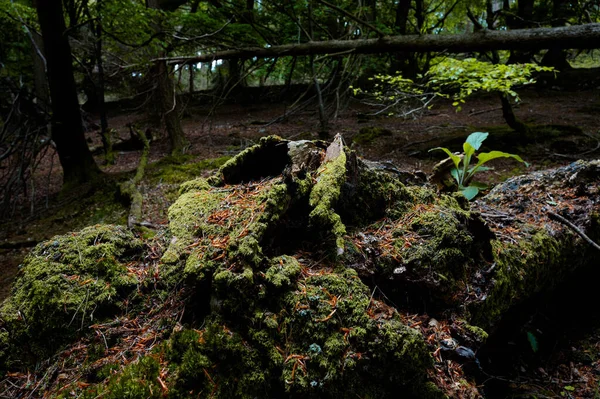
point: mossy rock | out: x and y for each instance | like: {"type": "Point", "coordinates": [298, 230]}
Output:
{"type": "Point", "coordinates": [65, 285]}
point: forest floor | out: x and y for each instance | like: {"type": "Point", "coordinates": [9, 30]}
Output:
{"type": "Point", "coordinates": [568, 124]}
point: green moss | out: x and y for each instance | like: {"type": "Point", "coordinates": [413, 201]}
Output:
{"type": "Point", "coordinates": [198, 184]}
{"type": "Point", "coordinates": [521, 270]}
{"type": "Point", "coordinates": [479, 334]}
{"type": "Point", "coordinates": [282, 272]}
{"type": "Point", "coordinates": [217, 362]}
{"type": "Point", "coordinates": [311, 335]}
{"type": "Point", "coordinates": [435, 245]}
{"type": "Point", "coordinates": [138, 380]}
{"type": "Point", "coordinates": [368, 134]}
{"type": "Point", "coordinates": [267, 158]}
{"type": "Point", "coordinates": [375, 195]}
{"type": "Point", "coordinates": [229, 221]}
{"type": "Point", "coordinates": [65, 285]}
{"type": "Point", "coordinates": [189, 215]}
{"type": "Point", "coordinates": [324, 196]}
{"type": "Point", "coordinates": [179, 169]}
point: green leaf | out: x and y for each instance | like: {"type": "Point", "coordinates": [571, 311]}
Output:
{"type": "Point", "coordinates": [481, 169]}
{"type": "Point", "coordinates": [569, 388]}
{"type": "Point", "coordinates": [479, 185]}
{"type": "Point", "coordinates": [488, 156]}
{"type": "Point", "coordinates": [470, 192]}
{"type": "Point", "coordinates": [455, 158]}
{"type": "Point", "coordinates": [468, 150]}
{"type": "Point", "coordinates": [532, 341]}
{"type": "Point", "coordinates": [456, 174]}
{"type": "Point", "coordinates": [475, 139]}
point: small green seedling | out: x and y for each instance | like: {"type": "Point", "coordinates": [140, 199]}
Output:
{"type": "Point", "coordinates": [463, 172]}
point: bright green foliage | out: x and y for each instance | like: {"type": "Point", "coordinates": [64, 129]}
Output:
{"type": "Point", "coordinates": [466, 77]}
{"type": "Point", "coordinates": [396, 95]}
{"type": "Point", "coordinates": [463, 171]}
{"type": "Point", "coordinates": [65, 285]}
{"type": "Point", "coordinates": [450, 77]}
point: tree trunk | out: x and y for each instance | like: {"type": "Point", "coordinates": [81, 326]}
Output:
{"type": "Point", "coordinates": [67, 131]}
{"type": "Point", "coordinates": [511, 119]}
{"type": "Point", "coordinates": [164, 93]}
{"type": "Point", "coordinates": [401, 60]}
{"type": "Point", "coordinates": [167, 102]}
{"type": "Point", "coordinates": [192, 76]}
{"type": "Point", "coordinates": [557, 57]}
{"type": "Point", "coordinates": [523, 19]}
{"type": "Point", "coordinates": [579, 36]}
{"type": "Point", "coordinates": [40, 79]}
{"type": "Point", "coordinates": [109, 154]}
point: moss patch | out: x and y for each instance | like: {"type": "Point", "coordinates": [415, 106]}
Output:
{"type": "Point", "coordinates": [430, 251]}
{"type": "Point", "coordinates": [179, 169]}
{"type": "Point", "coordinates": [324, 196]}
{"type": "Point", "coordinates": [309, 334]}
{"type": "Point", "coordinates": [65, 285]}
{"type": "Point", "coordinates": [523, 269]}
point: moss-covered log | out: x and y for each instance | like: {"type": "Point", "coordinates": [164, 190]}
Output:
{"type": "Point", "coordinates": [309, 272]}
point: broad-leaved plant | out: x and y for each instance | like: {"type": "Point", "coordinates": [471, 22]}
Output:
{"type": "Point", "coordinates": [463, 171]}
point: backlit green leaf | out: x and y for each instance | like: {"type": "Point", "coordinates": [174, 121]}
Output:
{"type": "Point", "coordinates": [455, 158]}
{"type": "Point", "coordinates": [470, 192]}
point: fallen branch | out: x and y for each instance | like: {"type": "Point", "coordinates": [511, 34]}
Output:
{"type": "Point", "coordinates": [558, 218]}
{"type": "Point", "coordinates": [578, 36]}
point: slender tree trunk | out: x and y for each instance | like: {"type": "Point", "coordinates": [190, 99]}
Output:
{"type": "Point", "coordinates": [401, 58]}
{"type": "Point", "coordinates": [557, 57]}
{"type": "Point", "coordinates": [109, 154]}
{"type": "Point", "coordinates": [523, 19]}
{"type": "Point", "coordinates": [511, 119]}
{"type": "Point", "coordinates": [165, 96]}
{"type": "Point", "coordinates": [323, 133]}
{"type": "Point", "coordinates": [192, 70]}
{"type": "Point", "coordinates": [40, 79]}
{"type": "Point", "coordinates": [67, 130]}
{"type": "Point", "coordinates": [167, 102]}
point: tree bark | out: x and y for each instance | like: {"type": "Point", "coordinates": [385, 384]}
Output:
{"type": "Point", "coordinates": [164, 93]}
{"type": "Point", "coordinates": [109, 154]}
{"type": "Point", "coordinates": [575, 37]}
{"type": "Point", "coordinates": [167, 102]}
{"type": "Point", "coordinates": [40, 80]}
{"type": "Point", "coordinates": [511, 119]}
{"type": "Point", "coordinates": [67, 131]}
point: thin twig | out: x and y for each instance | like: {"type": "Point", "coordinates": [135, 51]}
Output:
{"type": "Point", "coordinates": [558, 218]}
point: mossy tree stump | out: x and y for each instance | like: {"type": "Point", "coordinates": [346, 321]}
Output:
{"type": "Point", "coordinates": [303, 262]}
